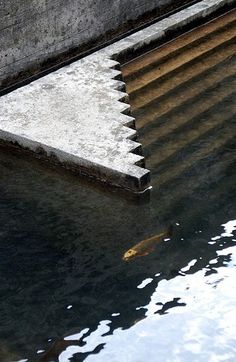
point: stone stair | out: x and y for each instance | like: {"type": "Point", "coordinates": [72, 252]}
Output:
{"type": "Point", "coordinates": [182, 95]}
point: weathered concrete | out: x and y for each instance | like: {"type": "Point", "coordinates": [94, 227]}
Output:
{"type": "Point", "coordinates": [35, 31]}
{"type": "Point", "coordinates": [76, 115]}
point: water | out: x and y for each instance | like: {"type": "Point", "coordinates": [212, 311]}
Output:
{"type": "Point", "coordinates": [62, 272]}
{"type": "Point", "coordinates": [65, 292]}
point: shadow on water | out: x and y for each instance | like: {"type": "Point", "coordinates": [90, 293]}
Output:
{"type": "Point", "coordinates": [65, 292]}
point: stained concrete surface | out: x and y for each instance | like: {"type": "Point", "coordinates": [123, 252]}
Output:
{"type": "Point", "coordinates": [35, 31]}
{"type": "Point", "coordinates": [77, 114]}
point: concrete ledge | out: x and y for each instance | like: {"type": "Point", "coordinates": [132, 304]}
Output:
{"type": "Point", "coordinates": [78, 116]}
{"type": "Point", "coordinates": [162, 28]}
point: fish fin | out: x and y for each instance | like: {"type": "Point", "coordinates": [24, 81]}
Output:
{"type": "Point", "coordinates": [143, 254]}
{"type": "Point", "coordinates": [147, 252]}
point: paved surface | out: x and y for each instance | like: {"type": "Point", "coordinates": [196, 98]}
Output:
{"type": "Point", "coordinates": [76, 116]}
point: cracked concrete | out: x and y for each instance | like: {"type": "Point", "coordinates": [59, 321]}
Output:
{"type": "Point", "coordinates": [77, 117]}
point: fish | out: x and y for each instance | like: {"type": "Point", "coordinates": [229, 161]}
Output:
{"type": "Point", "coordinates": [146, 246]}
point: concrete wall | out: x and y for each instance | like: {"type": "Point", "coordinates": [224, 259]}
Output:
{"type": "Point", "coordinates": [35, 31]}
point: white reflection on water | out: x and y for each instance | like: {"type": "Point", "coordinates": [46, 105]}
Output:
{"type": "Point", "coordinates": [204, 329]}
{"type": "Point", "coordinates": [190, 264]}
{"type": "Point", "coordinates": [199, 325]}
{"type": "Point", "coordinates": [229, 227]}
{"type": "Point", "coordinates": [94, 339]}
{"type": "Point", "coordinates": [76, 335]}
{"type": "Point", "coordinates": [144, 283]}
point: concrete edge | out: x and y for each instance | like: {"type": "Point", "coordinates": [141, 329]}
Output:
{"type": "Point", "coordinates": [129, 182]}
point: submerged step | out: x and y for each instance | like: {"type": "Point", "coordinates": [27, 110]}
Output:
{"type": "Point", "coordinates": [172, 82]}
{"type": "Point", "coordinates": [183, 101]}
{"type": "Point", "coordinates": [154, 97]}
{"type": "Point", "coordinates": [191, 179]}
{"type": "Point", "coordinates": [140, 65]}
{"type": "Point", "coordinates": [180, 61]}
{"type": "Point", "coordinates": [201, 149]}
{"type": "Point", "coordinates": [209, 123]}
{"type": "Point", "coordinates": [185, 93]}
{"type": "Point", "coordinates": [219, 188]}
{"type": "Point", "coordinates": [187, 112]}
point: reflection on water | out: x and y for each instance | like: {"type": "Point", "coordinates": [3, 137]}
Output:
{"type": "Point", "coordinates": [65, 292]}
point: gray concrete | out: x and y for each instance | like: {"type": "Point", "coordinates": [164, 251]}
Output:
{"type": "Point", "coordinates": [33, 31]}
{"type": "Point", "coordinates": [76, 116]}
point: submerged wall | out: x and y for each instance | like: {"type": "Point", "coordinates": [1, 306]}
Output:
{"type": "Point", "coordinates": [33, 33]}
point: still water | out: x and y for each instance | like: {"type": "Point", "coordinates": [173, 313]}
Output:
{"type": "Point", "coordinates": [63, 279]}
{"type": "Point", "coordinates": [65, 292]}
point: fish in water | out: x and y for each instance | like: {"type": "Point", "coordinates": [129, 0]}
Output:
{"type": "Point", "coordinates": [144, 247]}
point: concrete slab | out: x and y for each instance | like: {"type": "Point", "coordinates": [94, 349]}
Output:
{"type": "Point", "coordinates": [77, 116]}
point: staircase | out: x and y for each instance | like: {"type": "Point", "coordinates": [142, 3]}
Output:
{"type": "Point", "coordinates": [183, 96]}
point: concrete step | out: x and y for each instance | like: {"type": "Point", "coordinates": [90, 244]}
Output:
{"type": "Point", "coordinates": [191, 91]}
{"type": "Point", "coordinates": [185, 59]}
{"type": "Point", "coordinates": [172, 82]}
{"type": "Point", "coordinates": [140, 65]}
{"type": "Point", "coordinates": [179, 122]}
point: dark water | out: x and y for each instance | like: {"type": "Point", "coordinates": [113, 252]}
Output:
{"type": "Point", "coordinates": [62, 273]}
{"type": "Point", "coordinates": [67, 295]}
